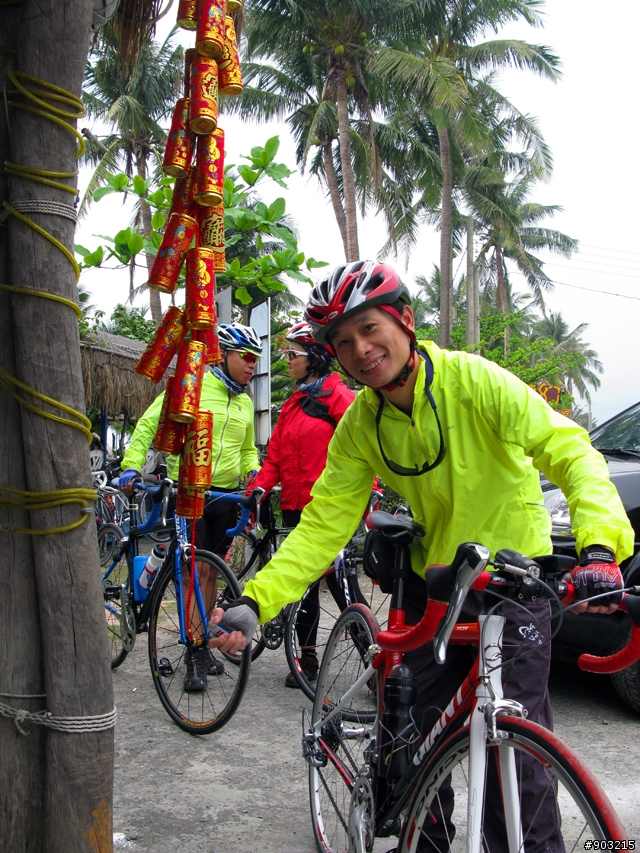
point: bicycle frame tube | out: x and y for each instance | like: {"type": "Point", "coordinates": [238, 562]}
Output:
{"type": "Point", "coordinates": [181, 534]}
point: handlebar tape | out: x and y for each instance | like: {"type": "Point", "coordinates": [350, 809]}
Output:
{"type": "Point", "coordinates": [242, 523]}
{"type": "Point", "coordinates": [616, 662]}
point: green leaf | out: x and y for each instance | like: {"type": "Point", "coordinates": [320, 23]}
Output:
{"type": "Point", "coordinates": [158, 220]}
{"type": "Point", "coordinates": [249, 176]}
{"type": "Point", "coordinates": [277, 172]}
{"type": "Point", "coordinates": [135, 243]}
{"type": "Point", "coordinates": [299, 276]}
{"type": "Point", "coordinates": [80, 250]}
{"type": "Point", "coordinates": [277, 209]}
{"type": "Point", "coordinates": [94, 259]}
{"type": "Point", "coordinates": [242, 295]}
{"type": "Point", "coordinates": [139, 185]}
{"type": "Point", "coordinates": [271, 146]}
{"type": "Point", "coordinates": [120, 182]}
{"type": "Point", "coordinates": [312, 264]}
{"type": "Point", "coordinates": [102, 191]}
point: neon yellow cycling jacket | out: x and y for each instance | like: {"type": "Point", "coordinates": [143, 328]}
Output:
{"type": "Point", "coordinates": [498, 434]}
{"type": "Point", "coordinates": [234, 451]}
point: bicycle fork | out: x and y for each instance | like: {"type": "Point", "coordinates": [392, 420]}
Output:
{"type": "Point", "coordinates": [483, 730]}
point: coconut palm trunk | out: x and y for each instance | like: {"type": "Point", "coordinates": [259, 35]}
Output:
{"type": "Point", "coordinates": [55, 630]}
{"type": "Point", "coordinates": [334, 193]}
{"type": "Point", "coordinates": [446, 284]}
{"type": "Point", "coordinates": [142, 154]}
{"type": "Point", "coordinates": [348, 180]}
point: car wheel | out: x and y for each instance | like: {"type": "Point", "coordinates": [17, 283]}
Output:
{"type": "Point", "coordinates": [627, 682]}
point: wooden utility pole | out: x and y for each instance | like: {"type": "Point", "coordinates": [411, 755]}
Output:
{"type": "Point", "coordinates": [56, 787]}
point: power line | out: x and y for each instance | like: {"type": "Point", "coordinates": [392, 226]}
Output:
{"type": "Point", "coordinates": [579, 287]}
{"type": "Point", "coordinates": [599, 272]}
{"type": "Point", "coordinates": [607, 249]}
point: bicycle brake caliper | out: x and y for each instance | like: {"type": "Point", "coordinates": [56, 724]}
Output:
{"type": "Point", "coordinates": [500, 706]}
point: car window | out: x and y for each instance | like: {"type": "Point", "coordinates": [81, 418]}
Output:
{"type": "Point", "coordinates": [621, 432]}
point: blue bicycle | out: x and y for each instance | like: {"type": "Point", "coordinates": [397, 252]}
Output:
{"type": "Point", "coordinates": [199, 692]}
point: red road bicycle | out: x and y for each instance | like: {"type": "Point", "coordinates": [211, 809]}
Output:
{"type": "Point", "coordinates": [371, 774]}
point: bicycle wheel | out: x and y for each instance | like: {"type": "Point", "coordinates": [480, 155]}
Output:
{"type": "Point", "coordinates": [202, 711]}
{"type": "Point", "coordinates": [239, 558]}
{"type": "Point", "coordinates": [104, 510]}
{"type": "Point", "coordinates": [114, 576]}
{"type": "Point", "coordinates": [318, 608]}
{"type": "Point", "coordinates": [344, 763]}
{"type": "Point", "coordinates": [569, 809]}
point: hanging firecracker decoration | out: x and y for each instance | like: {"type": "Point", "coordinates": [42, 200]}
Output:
{"type": "Point", "coordinates": [200, 306]}
{"type": "Point", "coordinates": [187, 14]}
{"type": "Point", "coordinates": [189, 56]}
{"type": "Point", "coordinates": [179, 233]}
{"type": "Point", "coordinates": [211, 233]}
{"type": "Point", "coordinates": [180, 143]}
{"type": "Point", "coordinates": [189, 504]}
{"type": "Point", "coordinates": [185, 397]}
{"type": "Point", "coordinates": [234, 5]}
{"type": "Point", "coordinates": [203, 98]}
{"type": "Point", "coordinates": [209, 337]}
{"type": "Point", "coordinates": [170, 434]}
{"type": "Point", "coordinates": [184, 194]}
{"type": "Point", "coordinates": [155, 360]}
{"type": "Point", "coordinates": [196, 458]}
{"type": "Point", "coordinates": [210, 162]}
{"type": "Point", "coordinates": [211, 28]}
{"type": "Point", "coordinates": [230, 76]}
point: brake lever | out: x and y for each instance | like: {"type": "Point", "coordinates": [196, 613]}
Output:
{"type": "Point", "coordinates": [167, 485]}
{"type": "Point", "coordinates": [475, 559]}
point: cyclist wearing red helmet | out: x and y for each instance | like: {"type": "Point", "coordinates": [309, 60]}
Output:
{"type": "Point", "coordinates": [298, 453]}
{"type": "Point", "coordinates": [463, 441]}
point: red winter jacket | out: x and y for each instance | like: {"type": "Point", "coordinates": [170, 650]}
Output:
{"type": "Point", "coordinates": [298, 447]}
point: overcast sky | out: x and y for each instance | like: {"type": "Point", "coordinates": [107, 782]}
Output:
{"type": "Point", "coordinates": [590, 121]}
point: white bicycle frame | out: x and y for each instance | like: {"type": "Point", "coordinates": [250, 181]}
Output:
{"type": "Point", "coordinates": [489, 702]}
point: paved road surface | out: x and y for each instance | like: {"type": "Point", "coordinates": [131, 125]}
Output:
{"type": "Point", "coordinates": [244, 789]}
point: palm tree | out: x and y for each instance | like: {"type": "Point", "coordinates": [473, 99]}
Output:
{"type": "Point", "coordinates": [508, 225]}
{"type": "Point", "coordinates": [447, 32]}
{"type": "Point", "coordinates": [133, 99]}
{"type": "Point", "coordinates": [580, 376]}
{"type": "Point", "coordinates": [316, 73]}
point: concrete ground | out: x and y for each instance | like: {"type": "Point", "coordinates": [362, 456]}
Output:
{"type": "Point", "coordinates": [244, 788]}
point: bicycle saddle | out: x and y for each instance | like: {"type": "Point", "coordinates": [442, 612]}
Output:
{"type": "Point", "coordinates": [401, 527]}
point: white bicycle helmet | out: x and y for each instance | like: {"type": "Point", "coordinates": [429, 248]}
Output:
{"type": "Point", "coordinates": [239, 338]}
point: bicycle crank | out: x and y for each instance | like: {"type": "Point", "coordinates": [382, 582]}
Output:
{"type": "Point", "coordinates": [127, 621]}
{"type": "Point", "coordinates": [361, 817]}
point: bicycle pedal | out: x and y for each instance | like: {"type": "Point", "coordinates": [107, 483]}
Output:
{"type": "Point", "coordinates": [164, 668]}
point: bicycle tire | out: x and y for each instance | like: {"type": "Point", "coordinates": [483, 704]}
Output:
{"type": "Point", "coordinates": [238, 557]}
{"type": "Point", "coordinates": [328, 613]}
{"type": "Point", "coordinates": [580, 806]}
{"type": "Point", "coordinates": [104, 511]}
{"type": "Point", "coordinates": [113, 578]}
{"type": "Point", "coordinates": [347, 735]}
{"type": "Point", "coordinates": [207, 710]}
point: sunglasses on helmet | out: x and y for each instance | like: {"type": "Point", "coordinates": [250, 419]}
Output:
{"type": "Point", "coordinates": [292, 354]}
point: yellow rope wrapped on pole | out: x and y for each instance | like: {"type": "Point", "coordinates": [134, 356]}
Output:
{"type": "Point", "coordinates": [46, 235]}
{"type": "Point", "coordinates": [25, 500]}
{"type": "Point", "coordinates": [29, 291]}
{"type": "Point", "coordinates": [30, 501]}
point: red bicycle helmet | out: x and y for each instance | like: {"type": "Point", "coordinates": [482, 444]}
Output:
{"type": "Point", "coordinates": [347, 290]}
{"type": "Point", "coordinates": [301, 333]}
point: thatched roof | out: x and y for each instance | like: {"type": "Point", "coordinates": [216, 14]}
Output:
{"type": "Point", "coordinates": [109, 378]}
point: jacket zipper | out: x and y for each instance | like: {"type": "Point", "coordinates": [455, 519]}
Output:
{"type": "Point", "coordinates": [215, 467]}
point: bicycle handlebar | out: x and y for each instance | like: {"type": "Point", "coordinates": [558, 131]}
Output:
{"type": "Point", "coordinates": [249, 504]}
{"type": "Point", "coordinates": [438, 617]}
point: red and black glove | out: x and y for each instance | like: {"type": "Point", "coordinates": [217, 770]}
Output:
{"type": "Point", "coordinates": [596, 573]}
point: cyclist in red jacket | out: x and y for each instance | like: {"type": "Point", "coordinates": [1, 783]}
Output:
{"type": "Point", "coordinates": [298, 454]}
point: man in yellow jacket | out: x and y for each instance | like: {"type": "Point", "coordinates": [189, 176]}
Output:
{"type": "Point", "coordinates": [463, 441]}
{"type": "Point", "coordinates": [233, 450]}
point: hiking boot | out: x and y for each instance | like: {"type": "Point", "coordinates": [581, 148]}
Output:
{"type": "Point", "coordinates": [214, 666]}
{"type": "Point", "coordinates": [195, 681]}
{"type": "Point", "coordinates": [309, 666]}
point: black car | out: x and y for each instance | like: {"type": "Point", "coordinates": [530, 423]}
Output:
{"type": "Point", "coordinates": [618, 440]}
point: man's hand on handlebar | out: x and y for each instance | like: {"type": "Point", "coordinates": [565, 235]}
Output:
{"type": "Point", "coordinates": [597, 573]}
{"type": "Point", "coordinates": [126, 480]}
{"type": "Point", "coordinates": [238, 622]}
